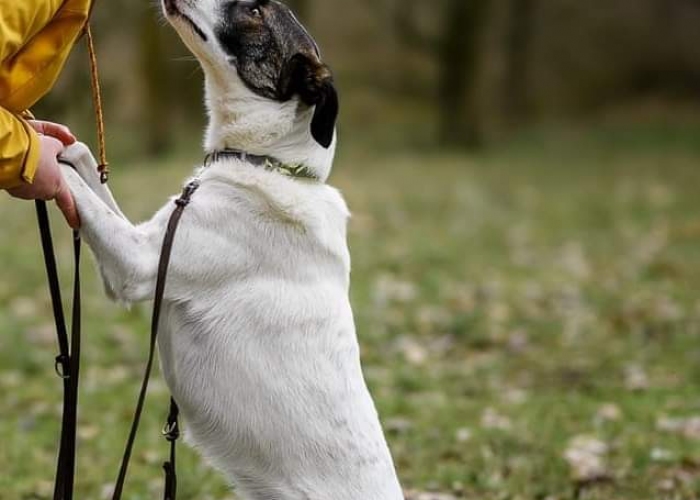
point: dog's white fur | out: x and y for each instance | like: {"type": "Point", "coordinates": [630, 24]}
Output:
{"type": "Point", "coordinates": [257, 339]}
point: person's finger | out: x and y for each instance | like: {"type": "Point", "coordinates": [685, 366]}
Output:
{"type": "Point", "coordinates": [52, 144]}
{"type": "Point", "coordinates": [65, 203]}
{"type": "Point", "coordinates": [55, 130]}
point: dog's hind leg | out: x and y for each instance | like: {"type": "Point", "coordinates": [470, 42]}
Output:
{"type": "Point", "coordinates": [127, 255]}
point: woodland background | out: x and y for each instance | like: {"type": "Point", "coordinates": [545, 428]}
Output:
{"type": "Point", "coordinates": [461, 74]}
{"type": "Point", "coordinates": [523, 177]}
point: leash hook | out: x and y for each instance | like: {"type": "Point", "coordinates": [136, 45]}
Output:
{"type": "Point", "coordinates": [171, 431]}
{"type": "Point", "coordinates": [62, 367]}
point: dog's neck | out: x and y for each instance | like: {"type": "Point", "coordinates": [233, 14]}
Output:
{"type": "Point", "coordinates": [242, 120]}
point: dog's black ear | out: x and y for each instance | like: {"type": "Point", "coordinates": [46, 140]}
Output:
{"type": "Point", "coordinates": [312, 81]}
{"type": "Point", "coordinates": [325, 115]}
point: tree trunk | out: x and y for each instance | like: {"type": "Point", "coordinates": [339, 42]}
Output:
{"type": "Point", "coordinates": [156, 97]}
{"type": "Point", "coordinates": [519, 38]}
{"type": "Point", "coordinates": [458, 59]}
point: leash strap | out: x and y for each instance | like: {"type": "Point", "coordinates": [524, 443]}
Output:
{"type": "Point", "coordinates": [171, 433]}
{"type": "Point", "coordinates": [103, 167]}
{"type": "Point", "coordinates": [67, 363]}
{"type": "Point", "coordinates": [163, 264]}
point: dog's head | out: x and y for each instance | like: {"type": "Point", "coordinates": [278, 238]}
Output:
{"type": "Point", "coordinates": [271, 52]}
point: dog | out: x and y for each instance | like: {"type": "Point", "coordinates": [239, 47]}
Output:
{"type": "Point", "coordinates": [257, 339]}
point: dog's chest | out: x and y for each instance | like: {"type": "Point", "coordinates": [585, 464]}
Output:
{"type": "Point", "coordinates": [264, 395]}
{"type": "Point", "coordinates": [259, 349]}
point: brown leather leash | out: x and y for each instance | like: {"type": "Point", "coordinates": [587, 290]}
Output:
{"type": "Point", "coordinates": [67, 364]}
{"type": "Point", "coordinates": [103, 166]}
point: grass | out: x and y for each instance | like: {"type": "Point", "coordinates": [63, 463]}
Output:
{"type": "Point", "coordinates": [529, 319]}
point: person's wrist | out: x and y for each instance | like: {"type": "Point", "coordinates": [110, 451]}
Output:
{"type": "Point", "coordinates": [33, 156]}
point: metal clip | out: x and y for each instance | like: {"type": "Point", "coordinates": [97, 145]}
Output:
{"type": "Point", "coordinates": [61, 367]}
{"type": "Point", "coordinates": [171, 431]}
{"type": "Point", "coordinates": [186, 195]}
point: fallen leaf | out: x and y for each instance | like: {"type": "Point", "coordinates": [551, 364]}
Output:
{"type": "Point", "coordinates": [491, 419]}
{"type": "Point", "coordinates": [586, 457]}
{"type": "Point", "coordinates": [608, 412]}
{"type": "Point", "coordinates": [686, 427]}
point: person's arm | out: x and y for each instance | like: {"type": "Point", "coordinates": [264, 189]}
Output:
{"type": "Point", "coordinates": [20, 22]}
{"type": "Point", "coordinates": [36, 37]}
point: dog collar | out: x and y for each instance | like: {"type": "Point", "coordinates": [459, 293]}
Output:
{"type": "Point", "coordinates": [269, 163]}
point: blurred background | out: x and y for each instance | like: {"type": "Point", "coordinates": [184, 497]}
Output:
{"type": "Point", "coordinates": [523, 176]}
{"type": "Point", "coordinates": [462, 74]}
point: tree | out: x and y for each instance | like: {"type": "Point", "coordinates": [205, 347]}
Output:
{"type": "Point", "coordinates": [521, 16]}
{"type": "Point", "coordinates": [458, 58]}
{"type": "Point", "coordinates": [156, 82]}
{"type": "Point", "coordinates": [455, 45]}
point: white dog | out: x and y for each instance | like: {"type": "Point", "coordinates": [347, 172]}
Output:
{"type": "Point", "coordinates": [257, 339]}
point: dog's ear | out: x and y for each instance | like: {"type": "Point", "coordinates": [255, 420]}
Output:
{"type": "Point", "coordinates": [325, 115]}
{"type": "Point", "coordinates": [312, 81]}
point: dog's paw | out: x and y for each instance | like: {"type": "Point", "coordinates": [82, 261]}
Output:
{"type": "Point", "coordinates": [80, 157]}
{"type": "Point", "coordinates": [77, 186]}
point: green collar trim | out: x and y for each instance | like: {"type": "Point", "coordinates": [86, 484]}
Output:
{"type": "Point", "coordinates": [297, 171]}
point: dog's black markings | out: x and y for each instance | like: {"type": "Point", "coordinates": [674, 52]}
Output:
{"type": "Point", "coordinates": [277, 58]}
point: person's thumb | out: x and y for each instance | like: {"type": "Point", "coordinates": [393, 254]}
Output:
{"type": "Point", "coordinates": [66, 203]}
{"type": "Point", "coordinates": [55, 130]}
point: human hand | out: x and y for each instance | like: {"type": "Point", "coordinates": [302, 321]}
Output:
{"type": "Point", "coordinates": [49, 183]}
{"type": "Point", "coordinates": [55, 130]}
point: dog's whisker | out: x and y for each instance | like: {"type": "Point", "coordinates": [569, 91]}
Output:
{"type": "Point", "coordinates": [184, 59]}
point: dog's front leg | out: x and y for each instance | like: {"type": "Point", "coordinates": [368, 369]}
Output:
{"type": "Point", "coordinates": [81, 158]}
{"type": "Point", "coordinates": [127, 255]}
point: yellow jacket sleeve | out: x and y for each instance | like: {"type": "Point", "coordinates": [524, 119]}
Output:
{"type": "Point", "coordinates": [36, 37]}
{"type": "Point", "coordinates": [19, 151]}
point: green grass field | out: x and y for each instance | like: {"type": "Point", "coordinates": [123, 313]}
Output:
{"type": "Point", "coordinates": [529, 318]}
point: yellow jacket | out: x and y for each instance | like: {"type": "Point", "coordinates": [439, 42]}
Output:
{"type": "Point", "coordinates": [36, 37]}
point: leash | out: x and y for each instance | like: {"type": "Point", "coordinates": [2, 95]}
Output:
{"type": "Point", "coordinates": [103, 166]}
{"type": "Point", "coordinates": [68, 361]}
{"type": "Point", "coordinates": [67, 364]}
{"type": "Point", "coordinates": [171, 430]}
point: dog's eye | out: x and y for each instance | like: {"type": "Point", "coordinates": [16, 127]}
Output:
{"type": "Point", "coordinates": [255, 11]}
